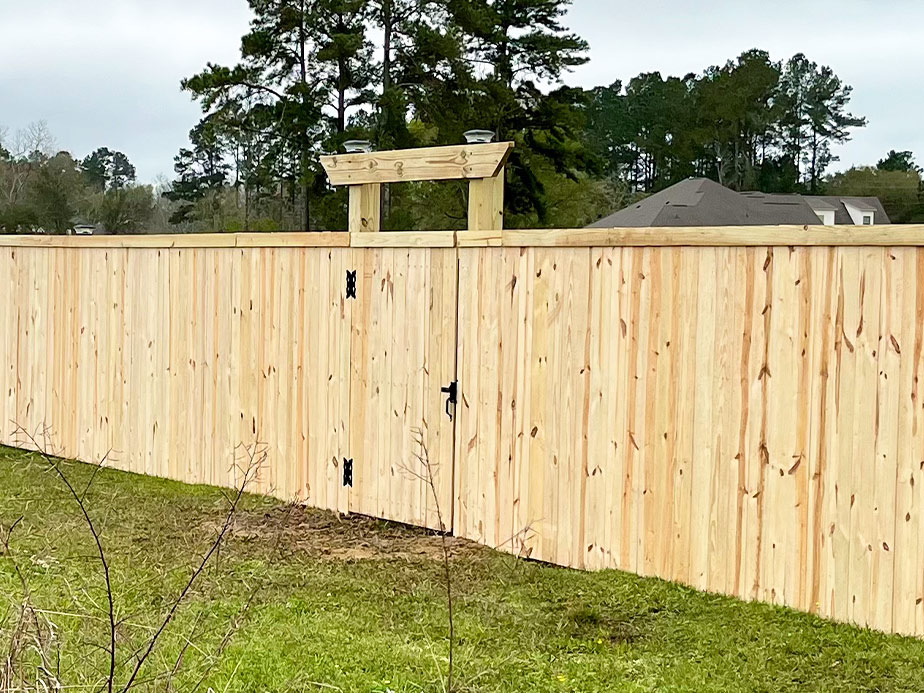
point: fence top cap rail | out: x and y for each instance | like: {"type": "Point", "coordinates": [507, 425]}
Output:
{"type": "Point", "coordinates": [718, 236]}
{"type": "Point", "coordinates": [327, 239]}
{"type": "Point", "coordinates": [884, 236]}
{"type": "Point", "coordinates": [454, 162]}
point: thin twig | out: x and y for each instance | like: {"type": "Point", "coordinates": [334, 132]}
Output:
{"type": "Point", "coordinates": [429, 477]}
{"type": "Point", "coordinates": [245, 609]}
{"type": "Point", "coordinates": [192, 578]}
{"type": "Point", "coordinates": [256, 457]}
{"type": "Point", "coordinates": [42, 451]}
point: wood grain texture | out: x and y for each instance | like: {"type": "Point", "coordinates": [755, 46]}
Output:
{"type": "Point", "coordinates": [320, 239]}
{"type": "Point", "coordinates": [742, 419]}
{"type": "Point", "coordinates": [403, 353]}
{"type": "Point", "coordinates": [170, 359]}
{"type": "Point", "coordinates": [883, 235]}
{"type": "Point", "coordinates": [746, 419]}
{"type": "Point", "coordinates": [404, 239]}
{"type": "Point", "coordinates": [365, 208]}
{"type": "Point", "coordinates": [454, 162]}
{"type": "Point", "coordinates": [486, 203]}
{"type": "Point", "coordinates": [480, 239]}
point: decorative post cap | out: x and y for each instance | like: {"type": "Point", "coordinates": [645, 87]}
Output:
{"type": "Point", "coordinates": [357, 146]}
{"type": "Point", "coordinates": [479, 136]}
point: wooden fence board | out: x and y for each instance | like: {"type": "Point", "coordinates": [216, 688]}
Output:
{"type": "Point", "coordinates": [398, 370]}
{"type": "Point", "coordinates": [168, 359]}
{"type": "Point", "coordinates": [740, 417]}
{"type": "Point", "coordinates": [751, 415]}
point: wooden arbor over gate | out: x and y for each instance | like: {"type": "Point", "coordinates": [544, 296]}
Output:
{"type": "Point", "coordinates": [481, 164]}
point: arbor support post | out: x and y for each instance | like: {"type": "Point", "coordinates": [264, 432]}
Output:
{"type": "Point", "coordinates": [365, 211]}
{"type": "Point", "coordinates": [486, 203]}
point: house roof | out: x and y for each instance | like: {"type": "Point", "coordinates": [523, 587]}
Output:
{"type": "Point", "coordinates": [820, 204]}
{"type": "Point", "coordinates": [703, 202]}
{"type": "Point", "coordinates": [864, 204]}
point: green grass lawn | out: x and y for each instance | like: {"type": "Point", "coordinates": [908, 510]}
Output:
{"type": "Point", "coordinates": [358, 605]}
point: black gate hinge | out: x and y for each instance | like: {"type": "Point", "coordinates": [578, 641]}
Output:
{"type": "Point", "coordinates": [452, 392]}
{"type": "Point", "coordinates": [348, 472]}
{"type": "Point", "coordinates": [351, 284]}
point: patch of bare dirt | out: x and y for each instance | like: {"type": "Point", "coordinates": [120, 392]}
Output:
{"type": "Point", "coordinates": [330, 536]}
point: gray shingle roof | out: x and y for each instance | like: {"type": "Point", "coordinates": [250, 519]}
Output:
{"type": "Point", "coordinates": [703, 202]}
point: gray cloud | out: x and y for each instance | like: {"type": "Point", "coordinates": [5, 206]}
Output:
{"type": "Point", "coordinates": [107, 72]}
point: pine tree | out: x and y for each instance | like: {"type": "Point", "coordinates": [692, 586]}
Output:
{"type": "Point", "coordinates": [813, 101]}
{"type": "Point", "coordinates": [279, 70]}
{"type": "Point", "coordinates": [201, 174]}
{"type": "Point", "coordinates": [508, 47]}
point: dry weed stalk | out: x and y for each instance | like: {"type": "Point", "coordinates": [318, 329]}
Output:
{"type": "Point", "coordinates": [31, 632]}
{"type": "Point", "coordinates": [34, 631]}
{"type": "Point", "coordinates": [426, 472]}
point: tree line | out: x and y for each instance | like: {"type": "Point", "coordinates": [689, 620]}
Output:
{"type": "Point", "coordinates": [313, 74]}
{"type": "Point", "coordinates": [750, 124]}
{"type": "Point", "coordinates": [49, 190]}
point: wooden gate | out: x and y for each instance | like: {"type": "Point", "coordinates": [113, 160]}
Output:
{"type": "Point", "coordinates": [404, 329]}
{"type": "Point", "coordinates": [403, 353]}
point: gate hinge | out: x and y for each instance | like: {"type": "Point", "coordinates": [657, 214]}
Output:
{"type": "Point", "coordinates": [452, 392]}
{"type": "Point", "coordinates": [351, 284]}
{"type": "Point", "coordinates": [348, 472]}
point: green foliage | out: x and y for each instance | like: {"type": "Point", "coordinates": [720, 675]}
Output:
{"type": "Point", "coordinates": [126, 209]}
{"type": "Point", "coordinates": [44, 192]}
{"type": "Point", "coordinates": [55, 192]}
{"type": "Point", "coordinates": [521, 40]}
{"type": "Point", "coordinates": [453, 65]}
{"type": "Point", "coordinates": [407, 73]}
{"type": "Point", "coordinates": [201, 176]}
{"type": "Point", "coordinates": [18, 217]}
{"type": "Point", "coordinates": [813, 102]}
{"type": "Point", "coordinates": [516, 44]}
{"type": "Point", "coordinates": [107, 170]}
{"type": "Point", "coordinates": [661, 111]}
{"type": "Point", "coordinates": [737, 113]}
{"type": "Point", "coordinates": [305, 65]}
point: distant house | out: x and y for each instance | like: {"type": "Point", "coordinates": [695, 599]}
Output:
{"type": "Point", "coordinates": [87, 230]}
{"type": "Point", "coordinates": [703, 202]}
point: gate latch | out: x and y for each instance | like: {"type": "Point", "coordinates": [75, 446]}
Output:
{"type": "Point", "coordinates": [348, 472]}
{"type": "Point", "coordinates": [452, 391]}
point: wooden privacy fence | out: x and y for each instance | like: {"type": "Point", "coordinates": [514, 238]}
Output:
{"type": "Point", "coordinates": [737, 409]}
{"type": "Point", "coordinates": [741, 418]}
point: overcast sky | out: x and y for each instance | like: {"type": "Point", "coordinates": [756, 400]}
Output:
{"type": "Point", "coordinates": [107, 72]}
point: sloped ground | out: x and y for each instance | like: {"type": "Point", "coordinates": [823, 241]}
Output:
{"type": "Point", "coordinates": [354, 604]}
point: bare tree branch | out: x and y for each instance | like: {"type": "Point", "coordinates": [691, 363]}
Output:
{"type": "Point", "coordinates": [248, 475]}
{"type": "Point", "coordinates": [40, 441]}
{"type": "Point", "coordinates": [54, 464]}
{"type": "Point", "coordinates": [428, 476]}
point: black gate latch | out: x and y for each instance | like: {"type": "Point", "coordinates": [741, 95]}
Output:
{"type": "Point", "coordinates": [452, 390]}
{"type": "Point", "coordinates": [348, 472]}
{"type": "Point", "coordinates": [351, 284]}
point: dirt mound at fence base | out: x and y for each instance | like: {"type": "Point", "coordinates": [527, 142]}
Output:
{"type": "Point", "coordinates": [327, 535]}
